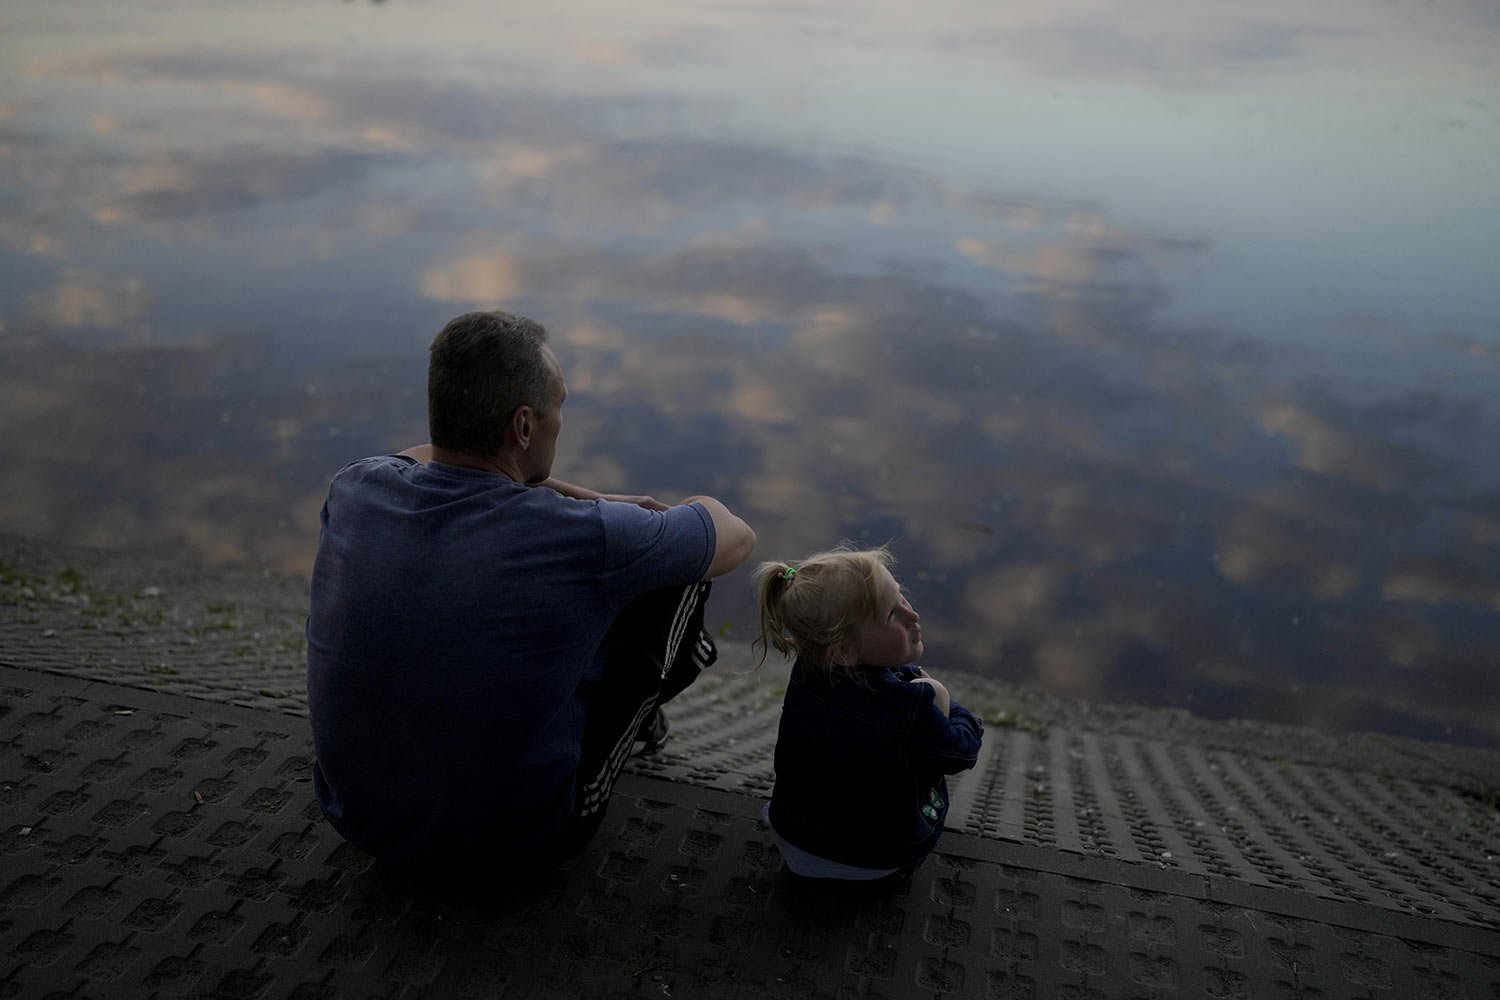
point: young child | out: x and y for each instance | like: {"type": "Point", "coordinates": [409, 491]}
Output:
{"type": "Point", "coordinates": [866, 735]}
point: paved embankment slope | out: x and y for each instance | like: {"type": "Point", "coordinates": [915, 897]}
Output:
{"type": "Point", "coordinates": [159, 838]}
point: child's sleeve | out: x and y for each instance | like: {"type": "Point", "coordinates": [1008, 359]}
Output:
{"type": "Point", "coordinates": [947, 744]}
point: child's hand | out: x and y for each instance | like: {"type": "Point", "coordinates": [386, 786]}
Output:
{"type": "Point", "coordinates": [940, 693]}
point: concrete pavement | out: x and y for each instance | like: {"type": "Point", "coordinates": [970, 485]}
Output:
{"type": "Point", "coordinates": [158, 837]}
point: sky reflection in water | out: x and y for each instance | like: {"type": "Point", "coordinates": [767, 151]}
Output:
{"type": "Point", "coordinates": [1163, 350]}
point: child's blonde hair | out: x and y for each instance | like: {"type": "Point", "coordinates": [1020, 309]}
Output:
{"type": "Point", "coordinates": [812, 607]}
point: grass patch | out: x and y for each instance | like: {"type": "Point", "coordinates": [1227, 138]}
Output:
{"type": "Point", "coordinates": [1008, 718]}
{"type": "Point", "coordinates": [1489, 798]}
{"type": "Point", "coordinates": [17, 576]}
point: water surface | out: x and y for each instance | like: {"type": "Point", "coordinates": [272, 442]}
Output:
{"type": "Point", "coordinates": [1160, 341]}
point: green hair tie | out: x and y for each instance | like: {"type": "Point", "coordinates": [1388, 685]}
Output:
{"type": "Point", "coordinates": [790, 572]}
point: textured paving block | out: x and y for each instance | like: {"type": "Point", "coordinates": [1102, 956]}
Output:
{"type": "Point", "coordinates": [1357, 819]}
{"type": "Point", "coordinates": [153, 844]}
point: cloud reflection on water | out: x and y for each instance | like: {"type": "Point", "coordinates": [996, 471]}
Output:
{"type": "Point", "coordinates": [1085, 489]}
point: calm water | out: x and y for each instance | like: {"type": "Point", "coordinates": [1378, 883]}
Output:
{"type": "Point", "coordinates": [1161, 340]}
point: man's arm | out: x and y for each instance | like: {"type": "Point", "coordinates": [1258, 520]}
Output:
{"type": "Point", "coordinates": [423, 453]}
{"type": "Point", "coordinates": [584, 493]}
{"type": "Point", "coordinates": [734, 539]}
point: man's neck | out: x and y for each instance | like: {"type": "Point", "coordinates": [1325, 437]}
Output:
{"type": "Point", "coordinates": [465, 460]}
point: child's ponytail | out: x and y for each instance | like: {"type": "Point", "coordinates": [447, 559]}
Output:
{"type": "Point", "coordinates": [771, 580]}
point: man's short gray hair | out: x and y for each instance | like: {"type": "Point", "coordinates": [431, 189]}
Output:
{"type": "Point", "coordinates": [481, 368]}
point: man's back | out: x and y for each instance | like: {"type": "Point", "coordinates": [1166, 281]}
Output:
{"type": "Point", "coordinates": [454, 635]}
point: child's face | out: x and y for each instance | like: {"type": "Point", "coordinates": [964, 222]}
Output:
{"type": "Point", "coordinates": [894, 637]}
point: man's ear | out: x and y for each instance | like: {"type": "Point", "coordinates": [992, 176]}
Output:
{"type": "Point", "coordinates": [522, 422]}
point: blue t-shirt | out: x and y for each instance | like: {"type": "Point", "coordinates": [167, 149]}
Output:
{"type": "Point", "coordinates": [454, 637]}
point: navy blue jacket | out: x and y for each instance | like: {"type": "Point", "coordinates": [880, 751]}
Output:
{"type": "Point", "coordinates": [859, 769]}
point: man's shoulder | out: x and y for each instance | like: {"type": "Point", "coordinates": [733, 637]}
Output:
{"type": "Point", "coordinates": [382, 461]}
{"type": "Point", "coordinates": [374, 467]}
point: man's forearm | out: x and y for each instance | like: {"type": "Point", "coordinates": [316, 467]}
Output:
{"type": "Point", "coordinates": [584, 493]}
{"type": "Point", "coordinates": [571, 490]}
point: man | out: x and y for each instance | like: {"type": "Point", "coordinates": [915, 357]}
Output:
{"type": "Point", "coordinates": [485, 642]}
